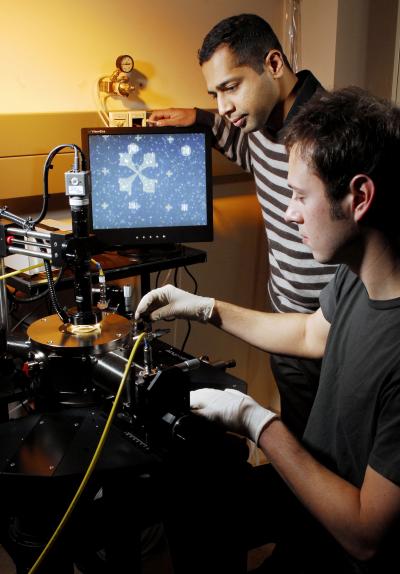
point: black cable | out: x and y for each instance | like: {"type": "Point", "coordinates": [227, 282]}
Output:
{"type": "Point", "coordinates": [61, 312]}
{"type": "Point", "coordinates": [156, 285]}
{"type": "Point", "coordinates": [41, 295]}
{"type": "Point", "coordinates": [189, 328]}
{"type": "Point", "coordinates": [24, 318]}
{"type": "Point", "coordinates": [49, 305]}
{"type": "Point", "coordinates": [189, 325]}
{"type": "Point", "coordinates": [193, 279]}
{"type": "Point", "coordinates": [30, 223]}
{"type": "Point", "coordinates": [28, 299]}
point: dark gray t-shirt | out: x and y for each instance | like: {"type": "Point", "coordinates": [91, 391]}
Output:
{"type": "Point", "coordinates": [355, 420]}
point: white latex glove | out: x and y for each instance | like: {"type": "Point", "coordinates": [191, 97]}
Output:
{"type": "Point", "coordinates": [234, 410]}
{"type": "Point", "coordinates": [169, 301]}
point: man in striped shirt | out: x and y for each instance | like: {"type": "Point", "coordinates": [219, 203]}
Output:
{"type": "Point", "coordinates": [257, 94]}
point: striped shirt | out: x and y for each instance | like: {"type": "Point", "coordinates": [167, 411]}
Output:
{"type": "Point", "coordinates": [295, 277]}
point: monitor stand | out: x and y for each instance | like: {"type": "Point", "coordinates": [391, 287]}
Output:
{"type": "Point", "coordinates": [151, 252]}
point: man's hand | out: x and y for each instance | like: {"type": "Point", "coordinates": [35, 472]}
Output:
{"type": "Point", "coordinates": [234, 410]}
{"type": "Point", "coordinates": [169, 301]}
{"type": "Point", "coordinates": [181, 117]}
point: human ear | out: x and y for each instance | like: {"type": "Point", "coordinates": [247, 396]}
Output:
{"type": "Point", "coordinates": [273, 62]}
{"type": "Point", "coordinates": [363, 191]}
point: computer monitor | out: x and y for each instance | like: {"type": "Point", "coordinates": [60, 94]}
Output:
{"type": "Point", "coordinates": [149, 186]}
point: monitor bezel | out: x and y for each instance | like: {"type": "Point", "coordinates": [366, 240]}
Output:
{"type": "Point", "coordinates": [131, 237]}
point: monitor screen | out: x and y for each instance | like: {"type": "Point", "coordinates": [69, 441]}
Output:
{"type": "Point", "coordinates": [149, 185]}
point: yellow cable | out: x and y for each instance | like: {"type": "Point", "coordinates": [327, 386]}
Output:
{"type": "Point", "coordinates": [92, 463]}
{"type": "Point", "coordinates": [101, 272]}
{"type": "Point", "coordinates": [20, 271]}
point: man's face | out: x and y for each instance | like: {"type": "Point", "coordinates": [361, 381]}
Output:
{"type": "Point", "coordinates": [244, 97]}
{"type": "Point", "coordinates": [329, 238]}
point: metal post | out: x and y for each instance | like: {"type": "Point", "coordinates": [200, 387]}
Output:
{"type": "Point", "coordinates": [3, 299]}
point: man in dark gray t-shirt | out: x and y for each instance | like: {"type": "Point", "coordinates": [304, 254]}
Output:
{"type": "Point", "coordinates": [344, 475]}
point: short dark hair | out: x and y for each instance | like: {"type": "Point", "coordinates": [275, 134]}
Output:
{"type": "Point", "coordinates": [248, 36]}
{"type": "Point", "coordinates": [348, 132]}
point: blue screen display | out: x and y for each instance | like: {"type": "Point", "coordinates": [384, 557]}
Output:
{"type": "Point", "coordinates": [148, 180]}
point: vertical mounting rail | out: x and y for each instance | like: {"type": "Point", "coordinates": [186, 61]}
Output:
{"type": "Point", "coordinates": [3, 299]}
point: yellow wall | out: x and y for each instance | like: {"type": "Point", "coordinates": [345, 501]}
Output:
{"type": "Point", "coordinates": [350, 42]}
{"type": "Point", "coordinates": [318, 38]}
{"type": "Point", "coordinates": [54, 52]}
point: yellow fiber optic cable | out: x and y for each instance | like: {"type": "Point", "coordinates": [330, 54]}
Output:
{"type": "Point", "coordinates": [92, 463]}
{"type": "Point", "coordinates": [101, 272]}
{"type": "Point", "coordinates": [18, 271]}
